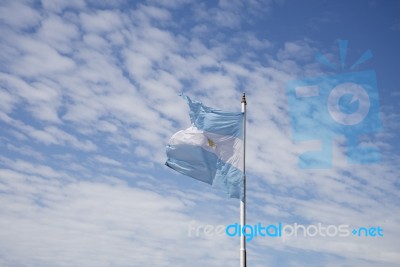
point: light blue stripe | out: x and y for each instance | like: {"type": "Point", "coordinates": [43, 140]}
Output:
{"type": "Point", "coordinates": [214, 120]}
{"type": "Point", "coordinates": [205, 166]}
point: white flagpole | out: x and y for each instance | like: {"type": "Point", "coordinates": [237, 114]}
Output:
{"type": "Point", "coordinates": [243, 201]}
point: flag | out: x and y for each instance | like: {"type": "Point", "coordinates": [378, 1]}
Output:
{"type": "Point", "coordinates": [211, 149]}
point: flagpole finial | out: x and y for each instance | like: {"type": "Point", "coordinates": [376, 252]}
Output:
{"type": "Point", "coordinates": [244, 98]}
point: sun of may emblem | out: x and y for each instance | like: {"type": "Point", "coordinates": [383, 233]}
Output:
{"type": "Point", "coordinates": [211, 143]}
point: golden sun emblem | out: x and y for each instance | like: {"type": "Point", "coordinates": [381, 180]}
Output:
{"type": "Point", "coordinates": [211, 143]}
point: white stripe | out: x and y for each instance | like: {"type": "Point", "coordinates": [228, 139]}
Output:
{"type": "Point", "coordinates": [227, 148]}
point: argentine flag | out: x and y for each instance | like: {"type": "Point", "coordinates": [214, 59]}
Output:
{"type": "Point", "coordinates": [211, 149]}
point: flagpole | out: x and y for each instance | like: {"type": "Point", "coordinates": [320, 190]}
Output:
{"type": "Point", "coordinates": [243, 200]}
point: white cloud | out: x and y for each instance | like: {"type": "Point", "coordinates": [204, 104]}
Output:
{"type": "Point", "coordinates": [96, 224]}
{"type": "Point", "coordinates": [58, 6]}
{"type": "Point", "coordinates": [58, 33]}
{"type": "Point", "coordinates": [49, 135]}
{"type": "Point", "coordinates": [174, 4]}
{"type": "Point", "coordinates": [36, 57]}
{"type": "Point", "coordinates": [106, 160]}
{"type": "Point", "coordinates": [34, 169]}
{"type": "Point", "coordinates": [149, 12]}
{"type": "Point", "coordinates": [18, 15]}
{"type": "Point", "coordinates": [300, 50]}
{"type": "Point", "coordinates": [94, 94]}
{"type": "Point", "coordinates": [101, 21]}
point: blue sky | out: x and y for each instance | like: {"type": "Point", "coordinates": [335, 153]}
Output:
{"type": "Point", "coordinates": [89, 99]}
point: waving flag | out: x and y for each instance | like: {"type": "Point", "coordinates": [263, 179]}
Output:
{"type": "Point", "coordinates": [211, 150]}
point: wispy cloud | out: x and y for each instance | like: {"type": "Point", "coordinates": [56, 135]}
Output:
{"type": "Point", "coordinates": [89, 98]}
